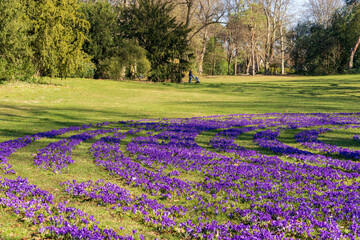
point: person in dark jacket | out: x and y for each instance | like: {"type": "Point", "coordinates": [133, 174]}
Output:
{"type": "Point", "coordinates": [191, 76]}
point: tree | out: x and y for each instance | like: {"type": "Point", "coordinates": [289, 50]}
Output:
{"type": "Point", "coordinates": [58, 31]}
{"type": "Point", "coordinates": [15, 52]}
{"type": "Point", "coordinates": [149, 22]}
{"type": "Point", "coordinates": [101, 42]}
{"type": "Point", "coordinates": [215, 58]}
{"type": "Point", "coordinates": [199, 16]}
{"type": "Point", "coordinates": [270, 9]}
{"type": "Point", "coordinates": [353, 26]}
{"type": "Point", "coordinates": [253, 18]}
{"type": "Point", "coordinates": [282, 19]}
{"type": "Point", "coordinates": [317, 50]}
{"type": "Point", "coordinates": [209, 12]}
{"type": "Point", "coordinates": [321, 11]}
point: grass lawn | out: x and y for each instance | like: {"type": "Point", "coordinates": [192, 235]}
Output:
{"type": "Point", "coordinates": [31, 108]}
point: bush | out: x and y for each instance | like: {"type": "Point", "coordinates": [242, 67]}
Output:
{"type": "Point", "coordinates": [86, 70]}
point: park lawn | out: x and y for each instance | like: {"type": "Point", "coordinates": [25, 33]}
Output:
{"type": "Point", "coordinates": [31, 108]}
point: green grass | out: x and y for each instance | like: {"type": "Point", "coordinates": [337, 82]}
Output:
{"type": "Point", "coordinates": [31, 108]}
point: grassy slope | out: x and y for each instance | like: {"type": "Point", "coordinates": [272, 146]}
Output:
{"type": "Point", "coordinates": [29, 108]}
{"type": "Point", "coordinates": [26, 108]}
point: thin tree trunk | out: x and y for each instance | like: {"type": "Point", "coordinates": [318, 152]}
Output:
{"type": "Point", "coordinates": [213, 66]}
{"type": "Point", "coordinates": [353, 51]}
{"type": "Point", "coordinates": [229, 63]}
{"type": "Point", "coordinates": [189, 4]}
{"type": "Point", "coordinates": [282, 50]}
{"type": "Point", "coordinates": [271, 55]}
{"type": "Point", "coordinates": [235, 63]}
{"type": "Point", "coordinates": [253, 50]}
{"type": "Point", "coordinates": [248, 67]}
{"type": "Point", "coordinates": [202, 53]}
{"type": "Point", "coordinates": [229, 58]}
{"type": "Point", "coordinates": [267, 43]}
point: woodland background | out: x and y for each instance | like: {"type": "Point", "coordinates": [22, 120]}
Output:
{"type": "Point", "coordinates": [160, 40]}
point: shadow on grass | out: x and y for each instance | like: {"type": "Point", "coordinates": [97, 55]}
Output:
{"type": "Point", "coordinates": [38, 119]}
{"type": "Point", "coordinates": [309, 87]}
{"type": "Point", "coordinates": [345, 141]}
{"type": "Point", "coordinates": [291, 105]}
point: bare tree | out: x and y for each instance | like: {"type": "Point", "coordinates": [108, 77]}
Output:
{"type": "Point", "coordinates": [253, 18]}
{"type": "Point", "coordinates": [321, 11]}
{"type": "Point", "coordinates": [282, 19]}
{"type": "Point", "coordinates": [199, 15]}
{"type": "Point", "coordinates": [270, 8]}
{"type": "Point", "coordinates": [235, 31]}
{"type": "Point", "coordinates": [208, 12]}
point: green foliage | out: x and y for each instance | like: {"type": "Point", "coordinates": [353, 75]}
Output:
{"type": "Point", "coordinates": [150, 24]}
{"type": "Point", "coordinates": [112, 55]}
{"type": "Point", "coordinates": [215, 58]}
{"type": "Point", "coordinates": [348, 30]}
{"type": "Point", "coordinates": [324, 50]}
{"type": "Point", "coordinates": [134, 58]}
{"type": "Point", "coordinates": [351, 2]}
{"type": "Point", "coordinates": [101, 42]}
{"type": "Point", "coordinates": [59, 32]}
{"type": "Point", "coordinates": [315, 50]}
{"type": "Point", "coordinates": [15, 52]}
{"type": "Point", "coordinates": [86, 70]}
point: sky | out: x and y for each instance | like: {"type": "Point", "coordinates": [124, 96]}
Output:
{"type": "Point", "coordinates": [297, 9]}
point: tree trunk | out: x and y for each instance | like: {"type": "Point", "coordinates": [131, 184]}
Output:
{"type": "Point", "coordinates": [229, 58]}
{"type": "Point", "coordinates": [267, 58]}
{"type": "Point", "coordinates": [229, 63]}
{"type": "Point", "coordinates": [282, 50]}
{"type": "Point", "coordinates": [248, 67]}
{"type": "Point", "coordinates": [353, 51]}
{"type": "Point", "coordinates": [253, 50]}
{"type": "Point", "coordinates": [202, 53]}
{"type": "Point", "coordinates": [213, 66]}
{"type": "Point", "coordinates": [235, 63]}
{"type": "Point", "coordinates": [189, 4]}
{"type": "Point", "coordinates": [271, 55]}
{"type": "Point", "coordinates": [267, 43]}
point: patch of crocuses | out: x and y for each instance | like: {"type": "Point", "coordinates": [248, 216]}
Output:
{"type": "Point", "coordinates": [309, 139]}
{"type": "Point", "coordinates": [169, 179]}
{"type": "Point", "coordinates": [54, 220]}
{"type": "Point", "coordinates": [57, 156]}
{"type": "Point", "coordinates": [357, 137]}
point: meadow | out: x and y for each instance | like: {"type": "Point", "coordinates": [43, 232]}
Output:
{"type": "Point", "coordinates": [277, 158]}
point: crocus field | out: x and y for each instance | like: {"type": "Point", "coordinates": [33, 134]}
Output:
{"type": "Point", "coordinates": [196, 180]}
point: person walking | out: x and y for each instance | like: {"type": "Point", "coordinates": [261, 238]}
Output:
{"type": "Point", "coordinates": [191, 76]}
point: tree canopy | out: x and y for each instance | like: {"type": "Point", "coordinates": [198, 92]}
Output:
{"type": "Point", "coordinates": [15, 51]}
{"type": "Point", "coordinates": [149, 23]}
{"type": "Point", "coordinates": [162, 39]}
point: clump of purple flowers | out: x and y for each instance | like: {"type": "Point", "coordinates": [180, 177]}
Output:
{"type": "Point", "coordinates": [52, 219]}
{"type": "Point", "coordinates": [57, 156]}
{"type": "Point", "coordinates": [357, 137]}
{"type": "Point", "coordinates": [309, 139]}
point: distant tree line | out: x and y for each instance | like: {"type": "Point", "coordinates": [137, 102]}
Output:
{"type": "Point", "coordinates": [259, 36]}
{"type": "Point", "coordinates": [162, 39]}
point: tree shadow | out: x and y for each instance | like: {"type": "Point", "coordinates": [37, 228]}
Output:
{"type": "Point", "coordinates": [39, 119]}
